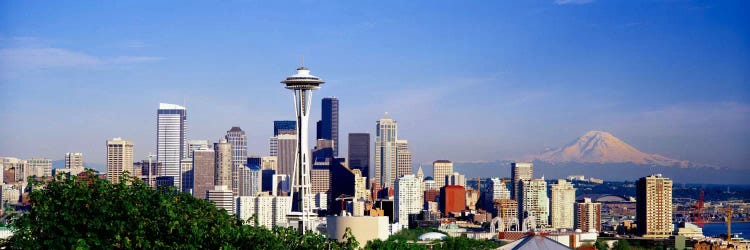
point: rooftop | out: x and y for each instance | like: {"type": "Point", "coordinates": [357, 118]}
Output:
{"type": "Point", "coordinates": [170, 106]}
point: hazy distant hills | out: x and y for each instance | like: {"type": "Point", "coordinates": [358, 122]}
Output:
{"type": "Point", "coordinates": [601, 147]}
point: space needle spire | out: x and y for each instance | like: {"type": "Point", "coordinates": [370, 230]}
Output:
{"type": "Point", "coordinates": [302, 84]}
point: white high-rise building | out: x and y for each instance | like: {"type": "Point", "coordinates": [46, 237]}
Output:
{"type": "Point", "coordinates": [440, 169]}
{"type": "Point", "coordinates": [236, 137]}
{"type": "Point", "coordinates": [386, 152]}
{"type": "Point", "coordinates": [455, 179]}
{"type": "Point", "coordinates": [39, 167]}
{"type": "Point", "coordinates": [562, 207]}
{"type": "Point", "coordinates": [171, 140]}
{"type": "Point", "coordinates": [255, 180]}
{"type": "Point", "coordinates": [533, 201]}
{"type": "Point", "coordinates": [74, 161]}
{"type": "Point", "coordinates": [195, 145]}
{"type": "Point", "coordinates": [222, 198]}
{"type": "Point", "coordinates": [269, 210]}
{"type": "Point", "coordinates": [408, 198]}
{"type": "Point", "coordinates": [119, 158]}
{"type": "Point", "coordinates": [495, 189]}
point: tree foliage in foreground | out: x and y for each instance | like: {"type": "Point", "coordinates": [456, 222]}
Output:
{"type": "Point", "coordinates": [91, 213]}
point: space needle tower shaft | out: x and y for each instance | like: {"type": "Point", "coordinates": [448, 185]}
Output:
{"type": "Point", "coordinates": [302, 84]}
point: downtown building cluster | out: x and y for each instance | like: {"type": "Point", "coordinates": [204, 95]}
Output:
{"type": "Point", "coordinates": [373, 191]}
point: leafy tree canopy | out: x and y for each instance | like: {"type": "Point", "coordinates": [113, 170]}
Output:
{"type": "Point", "coordinates": [92, 213]}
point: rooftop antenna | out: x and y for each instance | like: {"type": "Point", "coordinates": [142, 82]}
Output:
{"type": "Point", "coordinates": [303, 60]}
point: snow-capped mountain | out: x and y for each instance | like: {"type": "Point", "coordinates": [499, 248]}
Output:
{"type": "Point", "coordinates": [603, 147]}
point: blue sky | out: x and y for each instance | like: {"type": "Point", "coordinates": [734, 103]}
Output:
{"type": "Point", "coordinates": [476, 81]}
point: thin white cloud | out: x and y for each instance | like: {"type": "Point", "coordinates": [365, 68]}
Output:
{"type": "Point", "coordinates": [25, 58]}
{"type": "Point", "coordinates": [34, 58]}
{"type": "Point", "coordinates": [565, 2]}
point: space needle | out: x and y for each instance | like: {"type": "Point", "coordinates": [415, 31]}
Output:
{"type": "Point", "coordinates": [302, 84]}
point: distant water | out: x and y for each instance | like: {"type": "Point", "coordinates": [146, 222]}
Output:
{"type": "Point", "coordinates": [715, 229]}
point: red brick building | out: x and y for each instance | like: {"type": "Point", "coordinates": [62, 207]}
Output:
{"type": "Point", "coordinates": [431, 195]}
{"type": "Point", "coordinates": [452, 199]}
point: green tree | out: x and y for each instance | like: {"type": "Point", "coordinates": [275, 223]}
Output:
{"type": "Point", "coordinates": [600, 245]}
{"type": "Point", "coordinates": [622, 245]}
{"type": "Point", "coordinates": [92, 213]}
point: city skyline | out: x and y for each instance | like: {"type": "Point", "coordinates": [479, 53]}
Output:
{"type": "Point", "coordinates": [549, 96]}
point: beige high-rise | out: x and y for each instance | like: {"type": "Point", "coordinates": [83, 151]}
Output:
{"type": "Point", "coordinates": [119, 158]}
{"type": "Point", "coordinates": [223, 161]}
{"type": "Point", "coordinates": [654, 206]}
{"type": "Point", "coordinates": [403, 157]}
{"type": "Point", "coordinates": [386, 152]}
{"type": "Point", "coordinates": [562, 204]}
{"type": "Point", "coordinates": [440, 169]}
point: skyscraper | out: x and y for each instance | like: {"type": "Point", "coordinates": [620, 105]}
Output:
{"type": "Point", "coordinates": [204, 169]}
{"type": "Point", "coordinates": [386, 152]}
{"type": "Point", "coordinates": [236, 137]}
{"type": "Point", "coordinates": [403, 158]}
{"type": "Point", "coordinates": [320, 177]}
{"type": "Point", "coordinates": [343, 182]}
{"type": "Point", "coordinates": [654, 206]}
{"type": "Point", "coordinates": [171, 142]}
{"type": "Point", "coordinates": [302, 85]}
{"type": "Point", "coordinates": [533, 201]}
{"type": "Point", "coordinates": [588, 216]}
{"type": "Point", "coordinates": [563, 198]}
{"type": "Point", "coordinates": [455, 179]}
{"type": "Point", "coordinates": [119, 158]}
{"type": "Point", "coordinates": [281, 127]}
{"type": "Point", "coordinates": [223, 163]}
{"type": "Point", "coordinates": [323, 150]}
{"type": "Point", "coordinates": [440, 169]}
{"type": "Point", "coordinates": [519, 171]}
{"type": "Point", "coordinates": [269, 162]}
{"type": "Point", "coordinates": [495, 189]}
{"type": "Point", "coordinates": [359, 153]}
{"type": "Point", "coordinates": [252, 180]}
{"type": "Point", "coordinates": [74, 161]}
{"type": "Point", "coordinates": [186, 173]}
{"type": "Point", "coordinates": [286, 157]}
{"type": "Point", "coordinates": [330, 122]}
{"type": "Point", "coordinates": [222, 198]}
{"type": "Point", "coordinates": [269, 210]}
{"type": "Point", "coordinates": [408, 198]}
{"type": "Point", "coordinates": [41, 167]}
{"type": "Point", "coordinates": [452, 199]}
{"type": "Point", "coordinates": [196, 144]}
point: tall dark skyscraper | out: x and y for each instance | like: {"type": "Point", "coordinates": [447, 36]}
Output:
{"type": "Point", "coordinates": [283, 125]}
{"type": "Point", "coordinates": [359, 153]}
{"type": "Point", "coordinates": [329, 123]}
